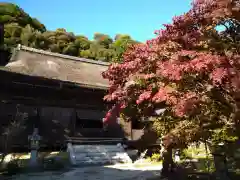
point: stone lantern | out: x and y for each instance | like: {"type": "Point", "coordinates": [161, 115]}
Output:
{"type": "Point", "coordinates": [34, 146]}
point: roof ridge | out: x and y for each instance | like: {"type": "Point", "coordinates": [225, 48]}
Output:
{"type": "Point", "coordinates": [73, 58]}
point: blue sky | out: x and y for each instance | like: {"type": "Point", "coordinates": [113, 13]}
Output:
{"type": "Point", "coordinates": [138, 18]}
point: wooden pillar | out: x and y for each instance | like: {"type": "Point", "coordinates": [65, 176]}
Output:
{"type": "Point", "coordinates": [38, 119]}
{"type": "Point", "coordinates": [73, 123]}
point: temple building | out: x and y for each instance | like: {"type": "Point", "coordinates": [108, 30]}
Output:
{"type": "Point", "coordinates": [60, 95]}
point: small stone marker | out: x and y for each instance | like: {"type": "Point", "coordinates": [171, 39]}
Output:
{"type": "Point", "coordinates": [34, 146]}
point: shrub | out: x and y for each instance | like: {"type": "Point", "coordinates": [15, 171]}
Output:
{"type": "Point", "coordinates": [13, 167]}
{"type": "Point", "coordinates": [156, 157]}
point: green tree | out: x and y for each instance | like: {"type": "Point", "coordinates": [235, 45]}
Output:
{"type": "Point", "coordinates": [87, 54]}
{"type": "Point", "coordinates": [103, 40]}
{"type": "Point", "coordinates": [11, 13]}
{"type": "Point", "coordinates": [23, 29]}
{"type": "Point", "coordinates": [120, 45]}
{"type": "Point", "coordinates": [28, 36]}
{"type": "Point", "coordinates": [61, 41]}
{"type": "Point", "coordinates": [12, 33]}
{"type": "Point", "coordinates": [82, 43]}
{"type": "Point", "coordinates": [71, 49]}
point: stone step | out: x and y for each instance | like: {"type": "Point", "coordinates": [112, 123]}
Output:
{"type": "Point", "coordinates": [88, 148]}
{"type": "Point", "coordinates": [97, 154]}
{"type": "Point", "coordinates": [95, 151]}
{"type": "Point", "coordinates": [99, 161]}
{"type": "Point", "coordinates": [94, 162]}
{"type": "Point", "coordinates": [94, 159]}
{"type": "Point", "coordinates": [120, 155]}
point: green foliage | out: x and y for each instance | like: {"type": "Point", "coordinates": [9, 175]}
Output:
{"type": "Point", "coordinates": [82, 42]}
{"type": "Point", "coordinates": [54, 163]}
{"type": "Point", "coordinates": [201, 165]}
{"type": "Point", "coordinates": [223, 134]}
{"type": "Point", "coordinates": [70, 49]}
{"type": "Point", "coordinates": [156, 157]}
{"type": "Point", "coordinates": [103, 40]}
{"type": "Point", "coordinates": [13, 167]}
{"type": "Point", "coordinates": [120, 45]}
{"type": "Point", "coordinates": [11, 13]}
{"type": "Point", "coordinates": [20, 28]}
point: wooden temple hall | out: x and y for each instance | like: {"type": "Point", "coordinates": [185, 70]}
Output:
{"type": "Point", "coordinates": [60, 95]}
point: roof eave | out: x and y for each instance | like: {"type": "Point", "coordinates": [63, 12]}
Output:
{"type": "Point", "coordinates": [67, 57]}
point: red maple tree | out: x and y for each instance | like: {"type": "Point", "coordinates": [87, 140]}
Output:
{"type": "Point", "coordinates": [190, 69]}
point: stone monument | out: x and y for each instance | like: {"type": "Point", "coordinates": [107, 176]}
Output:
{"type": "Point", "coordinates": [34, 146]}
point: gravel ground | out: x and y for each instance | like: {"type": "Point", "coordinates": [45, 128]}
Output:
{"type": "Point", "coordinates": [115, 172]}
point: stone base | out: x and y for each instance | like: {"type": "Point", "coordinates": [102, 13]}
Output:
{"type": "Point", "coordinates": [97, 154]}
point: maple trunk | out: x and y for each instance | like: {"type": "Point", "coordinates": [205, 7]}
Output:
{"type": "Point", "coordinates": [220, 161]}
{"type": "Point", "coordinates": [237, 117]}
{"type": "Point", "coordinates": [168, 163]}
{"type": "Point", "coordinates": [220, 166]}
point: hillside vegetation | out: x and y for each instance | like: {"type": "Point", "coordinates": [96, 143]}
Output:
{"type": "Point", "coordinates": [20, 28]}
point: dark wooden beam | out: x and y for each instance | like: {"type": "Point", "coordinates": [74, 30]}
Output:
{"type": "Point", "coordinates": [42, 102]}
{"type": "Point", "coordinates": [41, 96]}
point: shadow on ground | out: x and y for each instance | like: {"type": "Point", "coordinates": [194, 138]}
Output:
{"type": "Point", "coordinates": [90, 173]}
{"type": "Point", "coordinates": [195, 176]}
{"type": "Point", "coordinates": [116, 172]}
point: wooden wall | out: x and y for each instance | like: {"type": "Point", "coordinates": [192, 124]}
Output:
{"type": "Point", "coordinates": [55, 108]}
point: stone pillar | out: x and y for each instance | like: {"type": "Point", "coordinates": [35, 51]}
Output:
{"type": "Point", "coordinates": [34, 146]}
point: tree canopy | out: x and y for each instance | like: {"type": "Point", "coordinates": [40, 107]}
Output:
{"type": "Point", "coordinates": [20, 28]}
{"type": "Point", "coordinates": [191, 69]}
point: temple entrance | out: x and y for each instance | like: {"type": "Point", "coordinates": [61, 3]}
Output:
{"type": "Point", "coordinates": [89, 123]}
{"type": "Point", "coordinates": [87, 118]}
